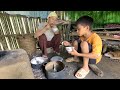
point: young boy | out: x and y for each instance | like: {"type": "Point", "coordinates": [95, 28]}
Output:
{"type": "Point", "coordinates": [89, 46]}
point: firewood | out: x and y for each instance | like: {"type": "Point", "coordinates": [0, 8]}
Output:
{"type": "Point", "coordinates": [96, 70]}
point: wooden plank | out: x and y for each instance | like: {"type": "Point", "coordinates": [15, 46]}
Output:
{"type": "Point", "coordinates": [110, 32]}
{"type": "Point", "coordinates": [95, 29]}
{"type": "Point", "coordinates": [98, 32]}
{"type": "Point", "coordinates": [103, 37]}
{"type": "Point", "coordinates": [108, 38]}
{"type": "Point", "coordinates": [106, 28]}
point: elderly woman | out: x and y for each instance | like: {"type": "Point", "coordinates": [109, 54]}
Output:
{"type": "Point", "coordinates": [48, 34]}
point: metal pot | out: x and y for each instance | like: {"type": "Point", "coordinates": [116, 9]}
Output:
{"type": "Point", "coordinates": [37, 62]}
{"type": "Point", "coordinates": [55, 70]}
{"type": "Point", "coordinates": [36, 66]}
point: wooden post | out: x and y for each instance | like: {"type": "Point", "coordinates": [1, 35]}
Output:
{"type": "Point", "coordinates": [96, 70]}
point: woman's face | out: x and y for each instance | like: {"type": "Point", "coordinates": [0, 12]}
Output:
{"type": "Point", "coordinates": [52, 20]}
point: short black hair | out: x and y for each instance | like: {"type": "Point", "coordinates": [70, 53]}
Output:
{"type": "Point", "coordinates": [85, 20]}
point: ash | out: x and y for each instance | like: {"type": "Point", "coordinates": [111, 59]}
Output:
{"type": "Point", "coordinates": [38, 74]}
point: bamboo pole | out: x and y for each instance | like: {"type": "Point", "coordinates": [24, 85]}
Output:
{"type": "Point", "coordinates": [1, 46]}
{"type": "Point", "coordinates": [12, 25]}
{"type": "Point", "coordinates": [28, 25]}
{"type": "Point", "coordinates": [23, 23]}
{"type": "Point", "coordinates": [13, 43]}
{"type": "Point", "coordinates": [18, 25]}
{"type": "Point", "coordinates": [33, 25]}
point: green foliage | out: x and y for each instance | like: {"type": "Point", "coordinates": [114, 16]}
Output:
{"type": "Point", "coordinates": [100, 17]}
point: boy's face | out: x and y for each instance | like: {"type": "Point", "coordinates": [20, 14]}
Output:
{"type": "Point", "coordinates": [82, 29]}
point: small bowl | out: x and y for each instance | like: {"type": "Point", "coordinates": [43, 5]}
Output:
{"type": "Point", "coordinates": [56, 58]}
{"type": "Point", "coordinates": [69, 49]}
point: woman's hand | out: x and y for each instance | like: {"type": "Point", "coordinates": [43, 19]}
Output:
{"type": "Point", "coordinates": [47, 27]}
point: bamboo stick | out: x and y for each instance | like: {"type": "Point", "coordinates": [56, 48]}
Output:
{"type": "Point", "coordinates": [13, 42]}
{"type": "Point", "coordinates": [12, 25]}
{"type": "Point", "coordinates": [33, 25]}
{"type": "Point", "coordinates": [18, 26]}
{"type": "Point", "coordinates": [21, 25]}
{"type": "Point", "coordinates": [8, 43]}
{"type": "Point", "coordinates": [2, 42]}
{"type": "Point", "coordinates": [1, 46]}
{"type": "Point", "coordinates": [28, 25]}
{"type": "Point", "coordinates": [25, 32]}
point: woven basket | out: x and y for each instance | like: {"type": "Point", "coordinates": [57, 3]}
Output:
{"type": "Point", "coordinates": [28, 43]}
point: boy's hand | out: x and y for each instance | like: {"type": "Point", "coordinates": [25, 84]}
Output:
{"type": "Point", "coordinates": [74, 52]}
{"type": "Point", "coordinates": [66, 43]}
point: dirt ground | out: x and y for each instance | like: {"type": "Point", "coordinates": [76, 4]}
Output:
{"type": "Point", "coordinates": [109, 67]}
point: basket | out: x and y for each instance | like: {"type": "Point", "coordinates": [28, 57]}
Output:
{"type": "Point", "coordinates": [28, 43]}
